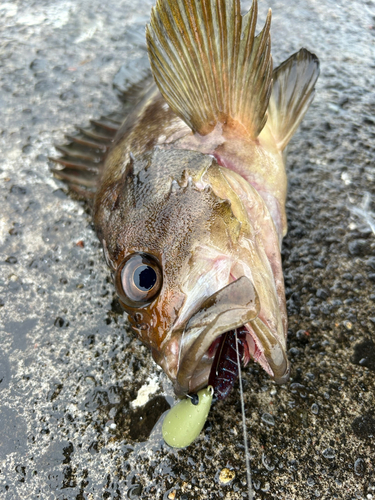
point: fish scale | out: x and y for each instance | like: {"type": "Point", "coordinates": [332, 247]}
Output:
{"type": "Point", "coordinates": [189, 182]}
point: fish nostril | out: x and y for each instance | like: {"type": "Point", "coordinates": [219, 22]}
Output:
{"type": "Point", "coordinates": [136, 321]}
{"type": "Point", "coordinates": [138, 317]}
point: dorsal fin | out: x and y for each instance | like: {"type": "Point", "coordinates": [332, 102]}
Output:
{"type": "Point", "coordinates": [208, 63]}
{"type": "Point", "coordinates": [83, 157]}
{"type": "Point", "coordinates": [293, 91]}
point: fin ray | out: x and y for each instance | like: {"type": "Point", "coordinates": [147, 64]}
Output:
{"type": "Point", "coordinates": [209, 65]}
{"type": "Point", "coordinates": [72, 163]}
{"type": "Point", "coordinates": [78, 152]}
{"type": "Point", "coordinates": [83, 156]}
{"type": "Point", "coordinates": [293, 91]}
{"type": "Point", "coordinates": [86, 142]}
{"type": "Point", "coordinates": [73, 177]}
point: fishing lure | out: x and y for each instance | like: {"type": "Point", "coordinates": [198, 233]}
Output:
{"type": "Point", "coordinates": [184, 422]}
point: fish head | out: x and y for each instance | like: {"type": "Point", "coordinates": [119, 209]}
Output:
{"type": "Point", "coordinates": [187, 265]}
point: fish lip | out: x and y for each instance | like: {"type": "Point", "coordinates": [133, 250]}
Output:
{"type": "Point", "coordinates": [276, 359]}
{"type": "Point", "coordinates": [234, 306]}
{"type": "Point", "coordinates": [274, 352]}
{"type": "Point", "coordinates": [231, 307]}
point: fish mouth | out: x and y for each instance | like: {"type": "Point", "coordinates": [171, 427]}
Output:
{"type": "Point", "coordinates": [208, 348]}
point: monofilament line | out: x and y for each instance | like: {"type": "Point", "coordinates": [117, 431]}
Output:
{"type": "Point", "coordinates": [247, 457]}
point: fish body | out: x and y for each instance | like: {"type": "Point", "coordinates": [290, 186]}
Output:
{"type": "Point", "coordinates": [190, 202]}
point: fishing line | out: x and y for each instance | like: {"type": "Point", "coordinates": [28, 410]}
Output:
{"type": "Point", "coordinates": [247, 458]}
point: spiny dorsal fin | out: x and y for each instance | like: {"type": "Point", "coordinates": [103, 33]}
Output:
{"type": "Point", "coordinates": [83, 157]}
{"type": "Point", "coordinates": [293, 91]}
{"type": "Point", "coordinates": [208, 63]}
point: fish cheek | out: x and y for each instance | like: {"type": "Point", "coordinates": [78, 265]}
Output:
{"type": "Point", "coordinates": [152, 323]}
{"type": "Point", "coordinates": [141, 324]}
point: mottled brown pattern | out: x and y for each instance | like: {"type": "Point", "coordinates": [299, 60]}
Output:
{"type": "Point", "coordinates": [209, 206]}
{"type": "Point", "coordinates": [150, 215]}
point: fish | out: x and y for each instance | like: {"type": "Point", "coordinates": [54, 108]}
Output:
{"type": "Point", "coordinates": [188, 192]}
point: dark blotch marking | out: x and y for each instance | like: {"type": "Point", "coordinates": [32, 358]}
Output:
{"type": "Point", "coordinates": [54, 391]}
{"type": "Point", "coordinates": [364, 354]}
{"type": "Point", "coordinates": [359, 247]}
{"type": "Point", "coordinates": [67, 452]}
{"type": "Point", "coordinates": [18, 190]}
{"type": "Point", "coordinates": [60, 322]}
{"type": "Point", "coordinates": [5, 373]}
{"type": "Point", "coordinates": [11, 260]}
{"type": "Point", "coordinates": [364, 426]}
{"type": "Point", "coordinates": [116, 307]}
{"type": "Point", "coordinates": [142, 420]}
{"type": "Point", "coordinates": [135, 491]}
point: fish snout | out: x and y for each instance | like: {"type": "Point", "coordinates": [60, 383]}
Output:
{"type": "Point", "coordinates": [167, 357]}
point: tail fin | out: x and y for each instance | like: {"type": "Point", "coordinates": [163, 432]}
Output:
{"type": "Point", "coordinates": [208, 63]}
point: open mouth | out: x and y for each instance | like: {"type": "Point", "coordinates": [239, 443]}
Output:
{"type": "Point", "coordinates": [231, 347]}
{"type": "Point", "coordinates": [208, 352]}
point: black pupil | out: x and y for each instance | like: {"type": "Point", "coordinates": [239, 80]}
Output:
{"type": "Point", "coordinates": [144, 278]}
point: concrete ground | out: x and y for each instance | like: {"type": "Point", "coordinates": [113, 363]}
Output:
{"type": "Point", "coordinates": [74, 381]}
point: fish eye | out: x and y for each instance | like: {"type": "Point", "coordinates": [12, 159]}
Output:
{"type": "Point", "coordinates": [139, 279]}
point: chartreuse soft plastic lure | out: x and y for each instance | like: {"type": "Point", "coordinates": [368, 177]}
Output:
{"type": "Point", "coordinates": [184, 422]}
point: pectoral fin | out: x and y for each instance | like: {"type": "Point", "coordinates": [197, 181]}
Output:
{"type": "Point", "coordinates": [209, 65]}
{"type": "Point", "coordinates": [293, 91]}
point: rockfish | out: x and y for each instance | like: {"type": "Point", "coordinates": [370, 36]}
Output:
{"type": "Point", "coordinates": [189, 192]}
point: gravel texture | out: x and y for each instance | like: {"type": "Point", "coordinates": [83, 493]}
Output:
{"type": "Point", "coordinates": [74, 422]}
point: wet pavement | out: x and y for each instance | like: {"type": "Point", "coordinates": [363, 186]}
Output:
{"type": "Point", "coordinates": [79, 396]}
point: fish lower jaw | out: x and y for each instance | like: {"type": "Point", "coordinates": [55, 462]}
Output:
{"type": "Point", "coordinates": [219, 366]}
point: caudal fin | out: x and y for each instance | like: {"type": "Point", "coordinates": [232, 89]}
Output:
{"type": "Point", "coordinates": [208, 63]}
